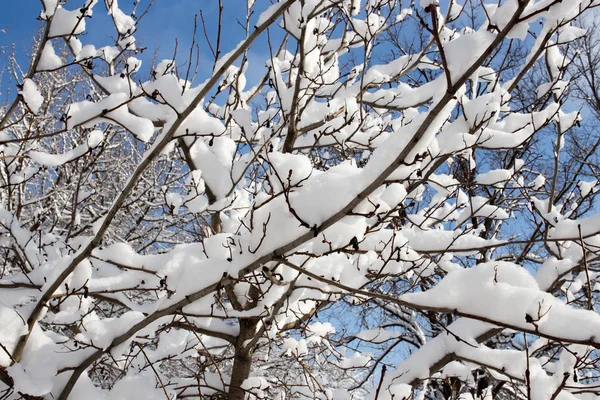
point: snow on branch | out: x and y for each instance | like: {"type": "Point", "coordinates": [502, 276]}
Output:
{"type": "Point", "coordinates": [336, 199]}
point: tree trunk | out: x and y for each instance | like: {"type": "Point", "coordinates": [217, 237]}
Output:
{"type": "Point", "coordinates": [242, 362]}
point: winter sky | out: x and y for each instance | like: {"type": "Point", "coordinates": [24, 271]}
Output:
{"type": "Point", "coordinates": [166, 21]}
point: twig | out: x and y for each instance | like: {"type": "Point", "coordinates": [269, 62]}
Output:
{"type": "Point", "coordinates": [587, 271]}
{"type": "Point", "coordinates": [383, 369]}
{"type": "Point", "coordinates": [162, 385]}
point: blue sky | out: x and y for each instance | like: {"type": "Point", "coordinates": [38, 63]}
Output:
{"type": "Point", "coordinates": [166, 21]}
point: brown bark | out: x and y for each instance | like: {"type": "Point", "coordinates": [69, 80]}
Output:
{"type": "Point", "coordinates": [242, 362]}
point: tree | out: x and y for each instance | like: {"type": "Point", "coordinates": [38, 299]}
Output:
{"type": "Point", "coordinates": [397, 209]}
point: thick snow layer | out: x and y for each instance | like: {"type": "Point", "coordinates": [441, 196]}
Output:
{"type": "Point", "coordinates": [67, 22]}
{"type": "Point", "coordinates": [53, 160]}
{"type": "Point", "coordinates": [463, 51]}
{"type": "Point", "coordinates": [49, 60]}
{"type": "Point", "coordinates": [111, 109]}
{"type": "Point", "coordinates": [32, 96]}
{"type": "Point", "coordinates": [11, 329]}
{"type": "Point", "coordinates": [50, 7]}
{"type": "Point", "coordinates": [512, 296]}
{"type": "Point", "coordinates": [123, 22]}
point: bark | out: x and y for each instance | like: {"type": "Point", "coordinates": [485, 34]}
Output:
{"type": "Point", "coordinates": [242, 362]}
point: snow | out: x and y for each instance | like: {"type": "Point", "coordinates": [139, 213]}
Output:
{"type": "Point", "coordinates": [94, 138]}
{"type": "Point", "coordinates": [124, 23]}
{"type": "Point", "coordinates": [26, 383]}
{"type": "Point", "coordinates": [436, 240]}
{"type": "Point", "coordinates": [214, 162]}
{"type": "Point", "coordinates": [379, 74]}
{"type": "Point", "coordinates": [354, 6]}
{"type": "Point", "coordinates": [256, 386]}
{"type": "Point", "coordinates": [338, 206]}
{"type": "Point", "coordinates": [31, 95]}
{"type": "Point", "coordinates": [88, 51]}
{"type": "Point", "coordinates": [49, 60]}
{"type": "Point", "coordinates": [269, 12]}
{"type": "Point", "coordinates": [356, 360]}
{"type": "Point", "coordinates": [35, 373]}
{"type": "Point", "coordinates": [456, 369]}
{"type": "Point", "coordinates": [100, 333]}
{"type": "Point", "coordinates": [427, 3]}
{"type": "Point", "coordinates": [67, 22]}
{"type": "Point", "coordinates": [455, 10]}
{"type": "Point", "coordinates": [464, 50]}
{"type": "Point", "coordinates": [53, 160]}
{"type": "Point", "coordinates": [378, 335]}
{"type": "Point", "coordinates": [587, 186]}
{"type": "Point", "coordinates": [394, 194]}
{"type": "Point", "coordinates": [496, 178]}
{"type": "Point", "coordinates": [49, 7]}
{"type": "Point", "coordinates": [109, 53]}
{"type": "Point", "coordinates": [539, 182]}
{"type": "Point", "coordinates": [111, 109]}
{"type": "Point", "coordinates": [291, 169]}
{"type": "Point", "coordinates": [138, 386]}
{"type": "Point", "coordinates": [164, 67]}
{"type": "Point", "coordinates": [478, 207]}
{"type": "Point", "coordinates": [11, 329]}
{"type": "Point", "coordinates": [401, 391]}
{"type": "Point", "coordinates": [403, 14]}
{"type": "Point", "coordinates": [569, 33]}
{"type": "Point", "coordinates": [512, 296]}
{"type": "Point", "coordinates": [226, 58]}
{"type": "Point", "coordinates": [320, 330]}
